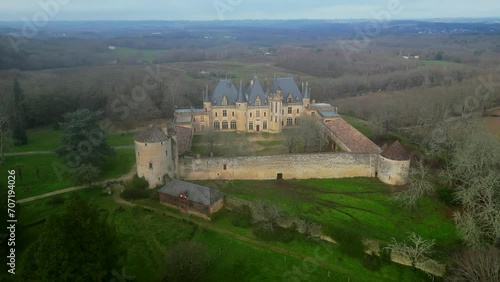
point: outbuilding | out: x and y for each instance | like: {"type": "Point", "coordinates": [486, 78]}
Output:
{"type": "Point", "coordinates": [191, 198]}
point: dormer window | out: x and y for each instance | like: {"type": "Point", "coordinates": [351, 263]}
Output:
{"type": "Point", "coordinates": [290, 98]}
{"type": "Point", "coordinates": [257, 101]}
{"type": "Point", "coordinates": [224, 101]}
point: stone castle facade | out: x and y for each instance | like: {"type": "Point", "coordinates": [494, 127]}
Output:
{"type": "Point", "coordinates": [249, 108]}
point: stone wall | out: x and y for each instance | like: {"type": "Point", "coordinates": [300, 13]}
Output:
{"type": "Point", "coordinates": [296, 166]}
{"type": "Point", "coordinates": [393, 172]}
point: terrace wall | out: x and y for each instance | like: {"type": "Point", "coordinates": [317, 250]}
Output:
{"type": "Point", "coordinates": [297, 166]}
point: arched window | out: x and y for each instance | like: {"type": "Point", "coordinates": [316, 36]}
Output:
{"type": "Point", "coordinates": [216, 125]}
{"type": "Point", "coordinates": [289, 121]}
{"type": "Point", "coordinates": [225, 125]}
{"type": "Point", "coordinates": [233, 124]}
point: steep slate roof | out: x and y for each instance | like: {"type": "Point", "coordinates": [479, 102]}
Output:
{"type": "Point", "coordinates": [206, 97]}
{"type": "Point", "coordinates": [288, 86]}
{"type": "Point", "coordinates": [396, 152]}
{"type": "Point", "coordinates": [184, 138]}
{"type": "Point", "coordinates": [256, 91]}
{"type": "Point", "coordinates": [241, 95]}
{"type": "Point", "coordinates": [195, 193]}
{"type": "Point", "coordinates": [225, 88]}
{"type": "Point", "coordinates": [152, 134]}
{"type": "Point", "coordinates": [351, 137]}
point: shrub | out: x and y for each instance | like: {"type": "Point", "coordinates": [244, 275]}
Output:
{"type": "Point", "coordinates": [56, 200]}
{"type": "Point", "coordinates": [138, 183]}
{"type": "Point", "coordinates": [131, 194]}
{"type": "Point", "coordinates": [372, 263]}
{"type": "Point", "coordinates": [446, 196]}
{"type": "Point", "coordinates": [242, 216]}
{"type": "Point", "coordinates": [350, 243]}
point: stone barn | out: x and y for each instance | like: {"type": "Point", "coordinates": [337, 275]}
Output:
{"type": "Point", "coordinates": [191, 198]}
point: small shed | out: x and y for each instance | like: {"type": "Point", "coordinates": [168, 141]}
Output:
{"type": "Point", "coordinates": [191, 198]}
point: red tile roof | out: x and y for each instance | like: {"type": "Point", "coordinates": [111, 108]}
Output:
{"type": "Point", "coordinates": [351, 137]}
{"type": "Point", "coordinates": [184, 136]}
{"type": "Point", "coordinates": [396, 152]}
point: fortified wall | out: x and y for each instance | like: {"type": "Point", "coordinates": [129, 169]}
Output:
{"type": "Point", "coordinates": [299, 166]}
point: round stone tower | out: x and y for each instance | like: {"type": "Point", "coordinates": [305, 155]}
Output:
{"type": "Point", "coordinates": [394, 165]}
{"type": "Point", "coordinates": [155, 155]}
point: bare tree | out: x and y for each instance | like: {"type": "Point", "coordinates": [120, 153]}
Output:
{"type": "Point", "coordinates": [475, 266]}
{"type": "Point", "coordinates": [420, 185]}
{"type": "Point", "coordinates": [417, 250]}
{"type": "Point", "coordinates": [210, 136]}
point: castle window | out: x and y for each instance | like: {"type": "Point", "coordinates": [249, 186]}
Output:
{"type": "Point", "coordinates": [250, 114]}
{"type": "Point", "coordinates": [216, 125]}
{"type": "Point", "coordinates": [225, 167]}
{"type": "Point", "coordinates": [289, 121]}
{"type": "Point", "coordinates": [275, 119]}
{"type": "Point", "coordinates": [206, 110]}
{"type": "Point", "coordinates": [224, 101]}
{"type": "Point", "coordinates": [216, 114]}
{"type": "Point", "coordinates": [289, 110]}
{"type": "Point", "coordinates": [225, 125]}
{"type": "Point", "coordinates": [298, 111]}
{"type": "Point", "coordinates": [257, 114]}
{"type": "Point", "coordinates": [297, 121]}
{"type": "Point", "coordinates": [233, 124]}
{"type": "Point", "coordinates": [161, 143]}
{"type": "Point", "coordinates": [166, 152]}
{"type": "Point", "coordinates": [146, 144]}
{"type": "Point", "coordinates": [250, 125]}
{"type": "Point", "coordinates": [276, 108]}
{"type": "Point", "coordinates": [264, 125]}
{"type": "Point", "coordinates": [224, 113]}
{"type": "Point", "coordinates": [290, 98]}
{"type": "Point", "coordinates": [233, 114]}
{"type": "Point", "coordinates": [194, 119]}
{"type": "Point", "coordinates": [265, 114]}
{"type": "Point", "coordinates": [138, 154]}
{"type": "Point", "coordinates": [151, 166]}
{"type": "Point", "coordinates": [257, 101]}
{"type": "Point", "coordinates": [202, 118]}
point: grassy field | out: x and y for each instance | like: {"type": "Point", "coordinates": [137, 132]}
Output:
{"type": "Point", "coordinates": [234, 144]}
{"type": "Point", "coordinates": [48, 139]}
{"type": "Point", "coordinates": [144, 55]}
{"type": "Point", "coordinates": [50, 167]}
{"type": "Point", "coordinates": [147, 235]}
{"type": "Point", "coordinates": [358, 206]}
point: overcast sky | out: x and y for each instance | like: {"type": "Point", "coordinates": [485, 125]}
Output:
{"type": "Point", "coordinates": [13, 10]}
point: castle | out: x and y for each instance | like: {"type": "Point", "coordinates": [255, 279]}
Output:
{"type": "Point", "coordinates": [160, 152]}
{"type": "Point", "coordinates": [249, 108]}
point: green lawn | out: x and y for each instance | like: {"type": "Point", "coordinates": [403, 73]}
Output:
{"type": "Point", "coordinates": [48, 139]}
{"type": "Point", "coordinates": [52, 173]}
{"type": "Point", "coordinates": [147, 235]}
{"type": "Point", "coordinates": [358, 205]}
{"type": "Point", "coordinates": [144, 55]}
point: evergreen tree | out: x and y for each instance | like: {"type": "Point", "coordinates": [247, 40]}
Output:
{"type": "Point", "coordinates": [83, 140]}
{"type": "Point", "coordinates": [19, 135]}
{"type": "Point", "coordinates": [78, 245]}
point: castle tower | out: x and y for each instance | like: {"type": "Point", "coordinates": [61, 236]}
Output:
{"type": "Point", "coordinates": [394, 165]}
{"type": "Point", "coordinates": [276, 102]}
{"type": "Point", "coordinates": [306, 101]}
{"type": "Point", "coordinates": [207, 104]}
{"type": "Point", "coordinates": [241, 109]}
{"type": "Point", "coordinates": [154, 155]}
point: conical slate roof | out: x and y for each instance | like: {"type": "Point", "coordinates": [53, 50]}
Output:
{"type": "Point", "coordinates": [152, 134]}
{"type": "Point", "coordinates": [241, 96]}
